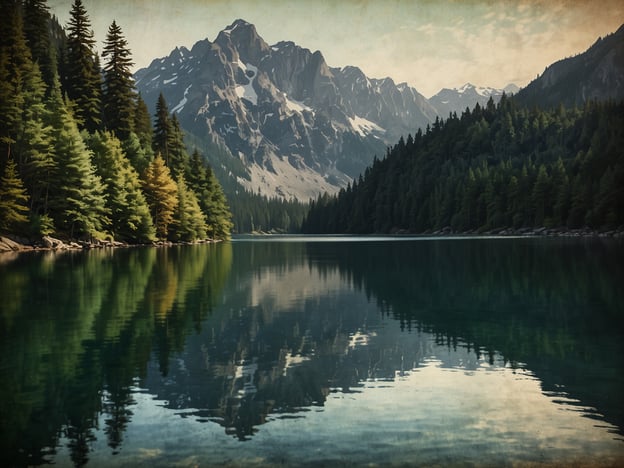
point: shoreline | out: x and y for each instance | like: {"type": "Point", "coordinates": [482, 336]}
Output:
{"type": "Point", "coordinates": [14, 244]}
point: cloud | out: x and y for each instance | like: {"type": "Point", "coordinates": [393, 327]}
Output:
{"type": "Point", "coordinates": [430, 44]}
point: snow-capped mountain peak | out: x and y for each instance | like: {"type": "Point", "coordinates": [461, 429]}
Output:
{"type": "Point", "coordinates": [286, 123]}
{"type": "Point", "coordinates": [467, 96]}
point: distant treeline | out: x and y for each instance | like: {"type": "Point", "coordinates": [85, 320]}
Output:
{"type": "Point", "coordinates": [79, 156]}
{"type": "Point", "coordinates": [497, 166]}
{"type": "Point", "coordinates": [257, 213]}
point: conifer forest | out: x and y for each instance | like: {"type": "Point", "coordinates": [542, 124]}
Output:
{"type": "Point", "coordinates": [499, 167]}
{"type": "Point", "coordinates": [79, 155]}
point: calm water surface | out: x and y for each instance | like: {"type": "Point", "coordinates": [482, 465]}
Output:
{"type": "Point", "coordinates": [315, 350]}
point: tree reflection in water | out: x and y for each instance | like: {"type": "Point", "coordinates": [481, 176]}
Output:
{"type": "Point", "coordinates": [249, 332]}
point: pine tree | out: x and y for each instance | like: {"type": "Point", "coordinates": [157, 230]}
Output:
{"type": "Point", "coordinates": [163, 131]}
{"type": "Point", "coordinates": [143, 124]}
{"type": "Point", "coordinates": [77, 198]}
{"type": "Point", "coordinates": [138, 155]}
{"type": "Point", "coordinates": [119, 97]}
{"type": "Point", "coordinates": [178, 157]}
{"type": "Point", "coordinates": [541, 196]}
{"type": "Point", "coordinates": [161, 194]}
{"type": "Point", "coordinates": [218, 214]}
{"type": "Point", "coordinates": [36, 29]}
{"type": "Point", "coordinates": [34, 144]}
{"type": "Point", "coordinates": [188, 223]}
{"type": "Point", "coordinates": [130, 219]}
{"type": "Point", "coordinates": [212, 201]}
{"type": "Point", "coordinates": [15, 63]}
{"type": "Point", "coordinates": [13, 200]}
{"type": "Point", "coordinates": [81, 79]}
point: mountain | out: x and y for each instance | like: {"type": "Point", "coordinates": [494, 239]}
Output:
{"type": "Point", "coordinates": [596, 74]}
{"type": "Point", "coordinates": [457, 100]}
{"type": "Point", "coordinates": [286, 123]}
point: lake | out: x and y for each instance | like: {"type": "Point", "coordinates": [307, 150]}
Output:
{"type": "Point", "coordinates": [327, 350]}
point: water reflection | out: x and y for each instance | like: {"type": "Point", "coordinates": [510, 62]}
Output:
{"type": "Point", "coordinates": [290, 333]}
{"type": "Point", "coordinates": [79, 327]}
{"type": "Point", "coordinates": [255, 335]}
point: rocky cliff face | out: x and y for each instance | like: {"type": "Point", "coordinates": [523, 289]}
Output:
{"type": "Point", "coordinates": [287, 123]}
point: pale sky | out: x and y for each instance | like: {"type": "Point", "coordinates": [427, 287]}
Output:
{"type": "Point", "coordinates": [430, 44]}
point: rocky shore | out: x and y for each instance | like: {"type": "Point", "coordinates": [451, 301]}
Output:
{"type": "Point", "coordinates": [10, 243]}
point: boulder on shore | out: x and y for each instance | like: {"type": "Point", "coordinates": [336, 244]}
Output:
{"type": "Point", "coordinates": [52, 243]}
{"type": "Point", "coordinates": [8, 245]}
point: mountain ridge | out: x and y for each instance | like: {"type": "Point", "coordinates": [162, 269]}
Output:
{"type": "Point", "coordinates": [297, 126]}
{"type": "Point", "coordinates": [282, 122]}
{"type": "Point", "coordinates": [449, 100]}
{"type": "Point", "coordinates": [595, 74]}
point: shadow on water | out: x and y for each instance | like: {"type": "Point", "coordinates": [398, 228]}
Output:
{"type": "Point", "coordinates": [246, 333]}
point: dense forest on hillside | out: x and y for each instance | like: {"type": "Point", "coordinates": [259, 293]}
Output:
{"type": "Point", "coordinates": [79, 154]}
{"type": "Point", "coordinates": [493, 167]}
{"type": "Point", "coordinates": [256, 213]}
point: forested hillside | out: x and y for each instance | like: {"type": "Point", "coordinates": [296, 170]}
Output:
{"type": "Point", "coordinates": [79, 157]}
{"type": "Point", "coordinates": [493, 167]}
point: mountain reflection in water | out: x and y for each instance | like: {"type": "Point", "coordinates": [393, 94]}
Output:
{"type": "Point", "coordinates": [430, 350]}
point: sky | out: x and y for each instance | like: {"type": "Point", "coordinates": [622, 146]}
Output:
{"type": "Point", "coordinates": [430, 44]}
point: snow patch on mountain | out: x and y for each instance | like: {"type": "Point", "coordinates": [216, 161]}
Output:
{"type": "Point", "coordinates": [182, 102]}
{"type": "Point", "coordinates": [247, 91]}
{"type": "Point", "coordinates": [296, 106]}
{"type": "Point", "coordinates": [480, 90]}
{"type": "Point", "coordinates": [364, 127]}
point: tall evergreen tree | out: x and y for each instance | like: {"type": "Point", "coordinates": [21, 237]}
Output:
{"type": "Point", "coordinates": [15, 64]}
{"type": "Point", "coordinates": [13, 199]}
{"type": "Point", "coordinates": [34, 144]}
{"type": "Point", "coordinates": [163, 131]}
{"type": "Point", "coordinates": [81, 77]}
{"type": "Point", "coordinates": [218, 214]}
{"type": "Point", "coordinates": [119, 96]}
{"type": "Point", "coordinates": [130, 219]}
{"type": "Point", "coordinates": [178, 157]}
{"type": "Point", "coordinates": [37, 31]}
{"type": "Point", "coordinates": [143, 123]}
{"type": "Point", "coordinates": [78, 201]}
{"type": "Point", "coordinates": [212, 201]}
{"type": "Point", "coordinates": [188, 222]}
{"type": "Point", "coordinates": [162, 195]}
{"type": "Point", "coordinates": [138, 155]}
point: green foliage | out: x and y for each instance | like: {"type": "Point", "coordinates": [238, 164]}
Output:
{"type": "Point", "coordinates": [119, 97]}
{"type": "Point", "coordinates": [77, 191]}
{"type": "Point", "coordinates": [81, 73]}
{"type": "Point", "coordinates": [77, 195]}
{"type": "Point", "coordinates": [168, 138]}
{"type": "Point", "coordinates": [138, 155]}
{"type": "Point", "coordinates": [130, 218]}
{"type": "Point", "coordinates": [212, 200]}
{"type": "Point", "coordinates": [13, 199]}
{"type": "Point", "coordinates": [161, 192]}
{"type": "Point", "coordinates": [499, 167]}
{"type": "Point", "coordinates": [256, 213]}
{"type": "Point", "coordinates": [36, 31]}
{"type": "Point", "coordinates": [143, 123]}
{"type": "Point", "coordinates": [188, 223]}
{"type": "Point", "coordinates": [15, 65]}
